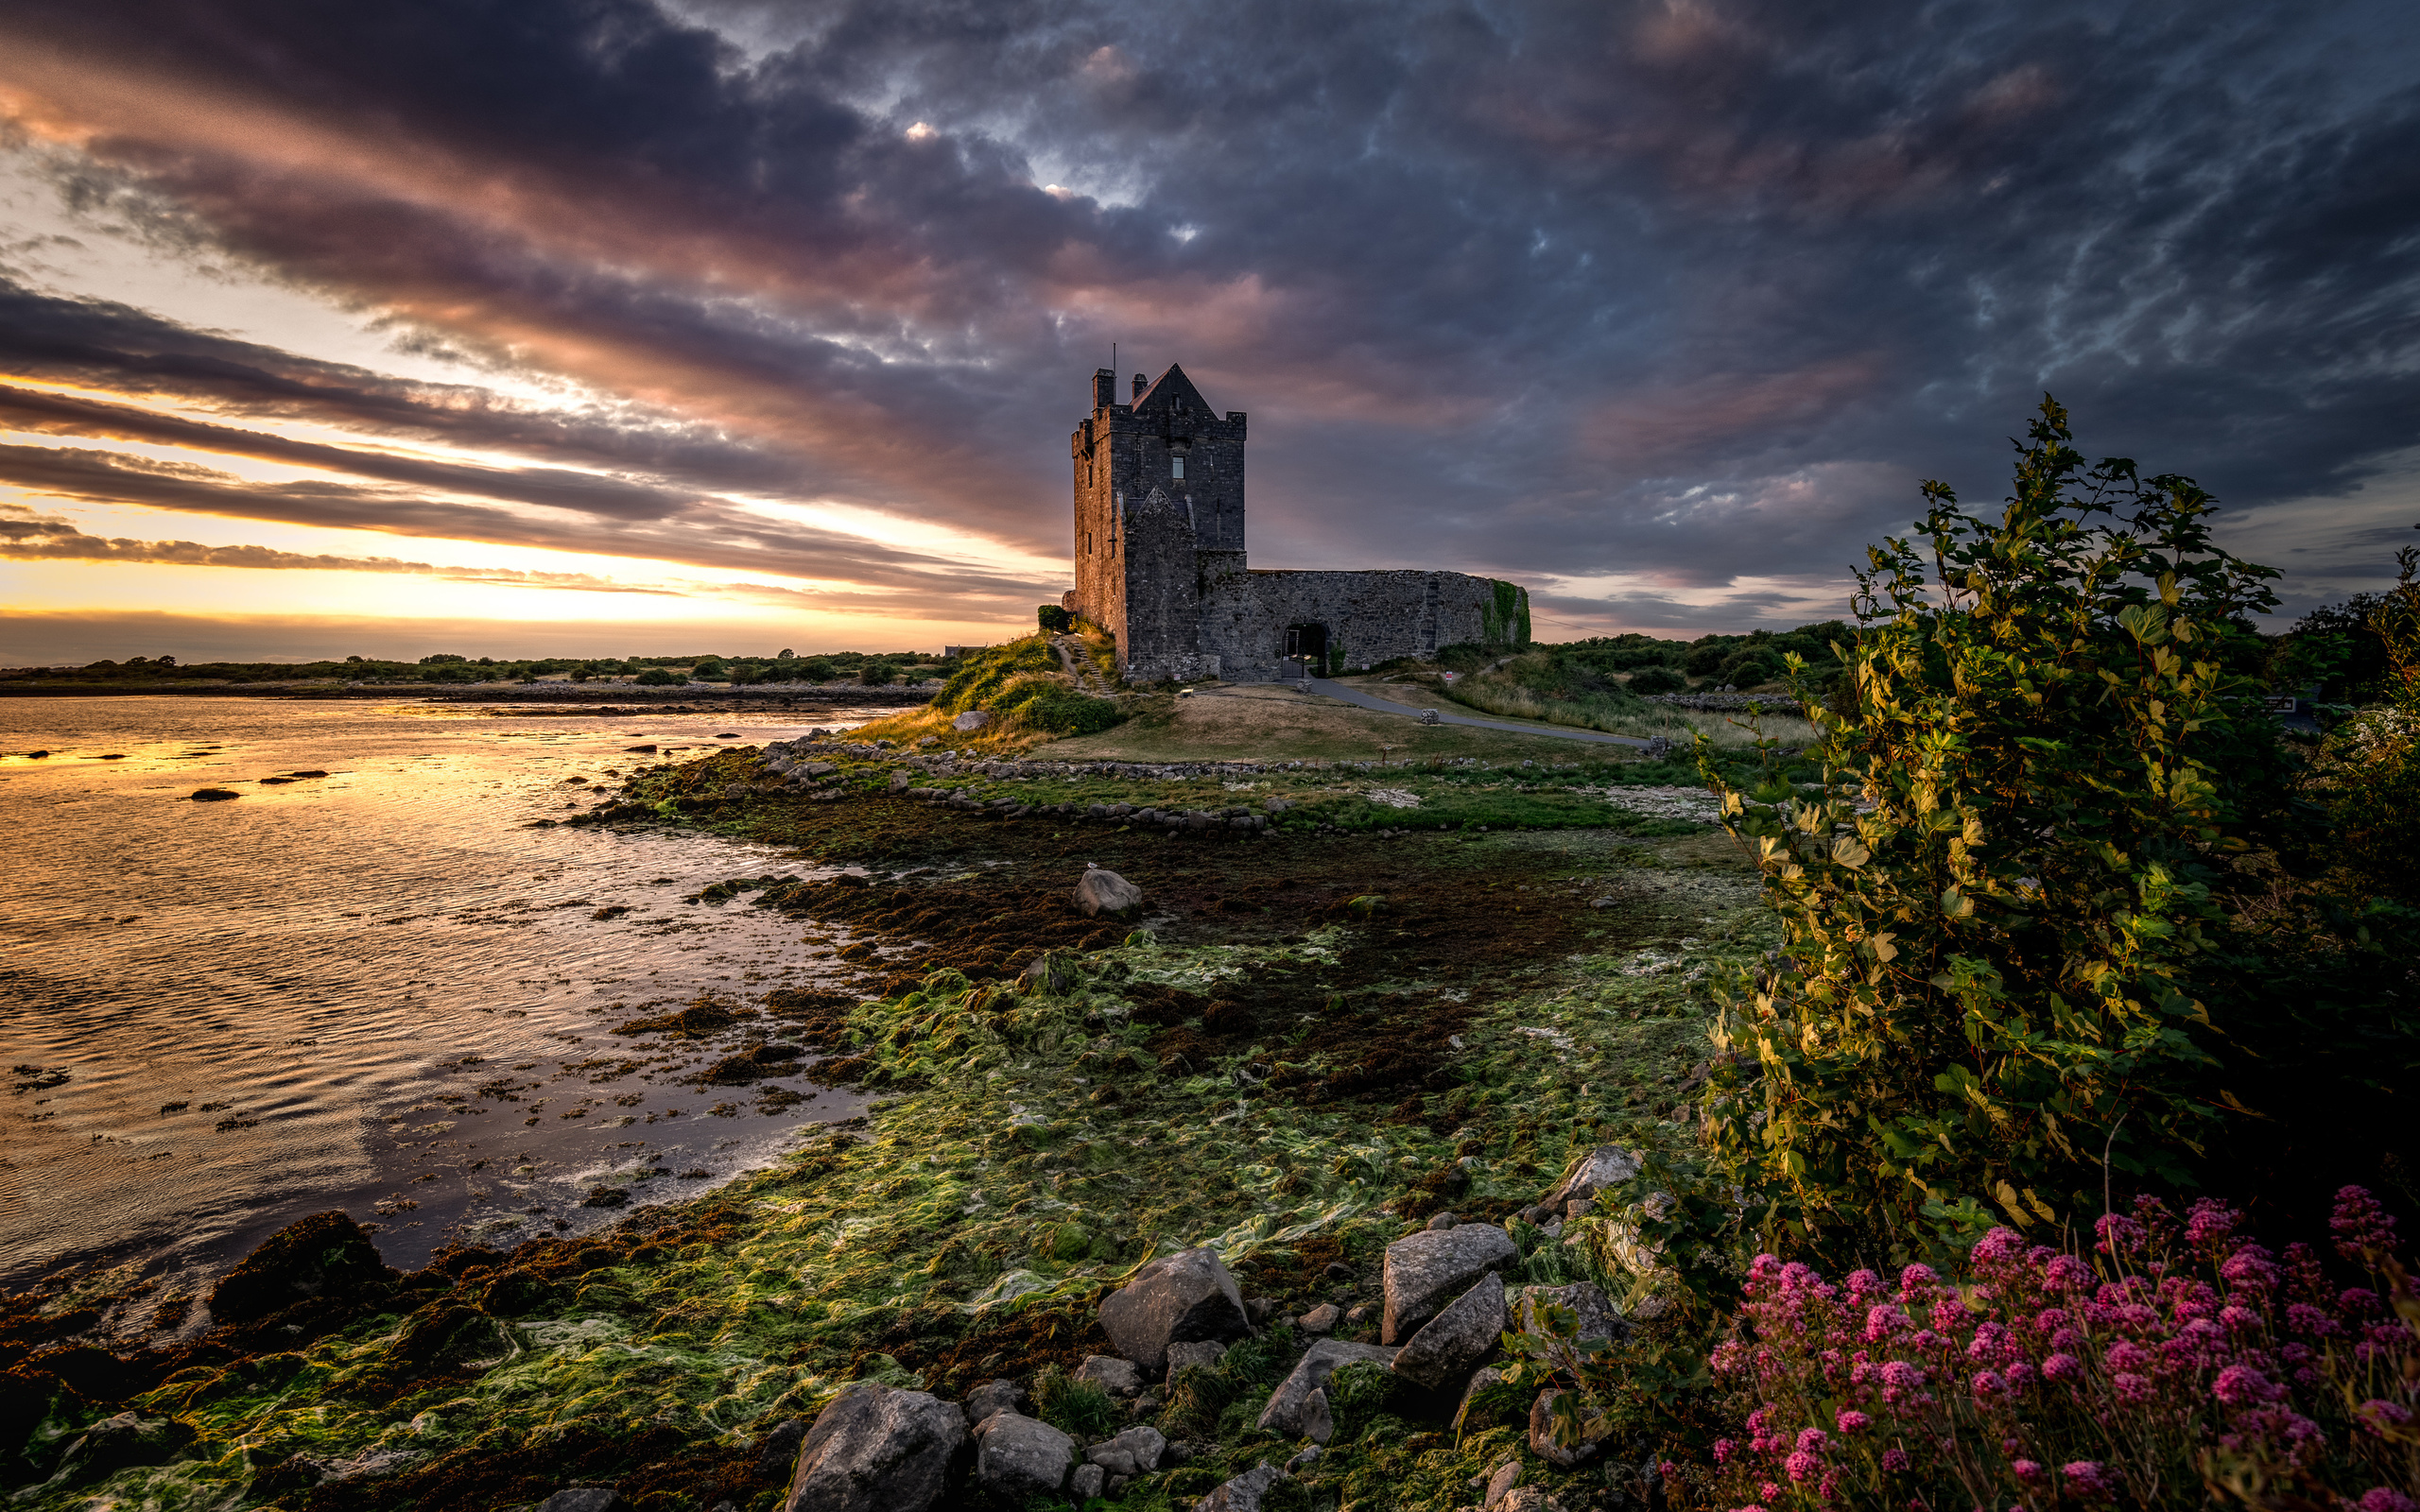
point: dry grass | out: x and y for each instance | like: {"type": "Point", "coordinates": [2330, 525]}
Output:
{"type": "Point", "coordinates": [1681, 725]}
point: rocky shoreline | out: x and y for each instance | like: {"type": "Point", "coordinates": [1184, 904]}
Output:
{"type": "Point", "coordinates": [1309, 1056]}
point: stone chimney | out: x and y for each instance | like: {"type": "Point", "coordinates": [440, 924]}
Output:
{"type": "Point", "coordinates": [1141, 383]}
{"type": "Point", "coordinates": [1104, 388]}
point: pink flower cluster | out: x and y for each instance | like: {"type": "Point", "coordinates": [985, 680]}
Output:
{"type": "Point", "coordinates": [2181, 1352]}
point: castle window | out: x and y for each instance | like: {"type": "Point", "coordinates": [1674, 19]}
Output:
{"type": "Point", "coordinates": [1176, 466]}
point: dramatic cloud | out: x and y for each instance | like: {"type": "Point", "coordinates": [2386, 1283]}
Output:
{"type": "Point", "coordinates": [26, 536]}
{"type": "Point", "coordinates": [1663, 306]}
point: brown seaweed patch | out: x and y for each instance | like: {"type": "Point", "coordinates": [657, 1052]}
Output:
{"type": "Point", "coordinates": [699, 1019]}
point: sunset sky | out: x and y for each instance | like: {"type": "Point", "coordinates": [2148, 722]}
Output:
{"type": "Point", "coordinates": [609, 327]}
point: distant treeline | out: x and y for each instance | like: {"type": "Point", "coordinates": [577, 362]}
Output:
{"type": "Point", "coordinates": [874, 669]}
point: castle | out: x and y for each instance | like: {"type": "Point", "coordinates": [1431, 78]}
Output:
{"type": "Point", "coordinates": [1160, 559]}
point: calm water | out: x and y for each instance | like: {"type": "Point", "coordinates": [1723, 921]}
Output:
{"type": "Point", "coordinates": [321, 994]}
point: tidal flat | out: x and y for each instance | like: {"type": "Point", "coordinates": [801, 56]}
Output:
{"type": "Point", "coordinates": [1320, 1032]}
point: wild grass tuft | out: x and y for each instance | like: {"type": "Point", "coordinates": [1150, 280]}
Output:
{"type": "Point", "coordinates": [1073, 1406]}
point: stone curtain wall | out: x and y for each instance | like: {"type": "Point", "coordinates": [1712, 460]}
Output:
{"type": "Point", "coordinates": [1370, 616]}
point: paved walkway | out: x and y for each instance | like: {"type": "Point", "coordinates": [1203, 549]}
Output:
{"type": "Point", "coordinates": [1387, 706]}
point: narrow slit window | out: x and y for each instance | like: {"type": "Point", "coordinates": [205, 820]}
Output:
{"type": "Point", "coordinates": [1176, 466]}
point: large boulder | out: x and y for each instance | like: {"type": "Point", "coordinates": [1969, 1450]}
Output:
{"type": "Point", "coordinates": [1607, 1165]}
{"type": "Point", "coordinates": [1430, 1268]}
{"type": "Point", "coordinates": [1288, 1404]}
{"type": "Point", "coordinates": [1020, 1456]}
{"type": "Point", "coordinates": [1099, 891]}
{"type": "Point", "coordinates": [1451, 1345]}
{"type": "Point", "coordinates": [877, 1449]}
{"type": "Point", "coordinates": [1135, 1452]}
{"type": "Point", "coordinates": [1596, 1314]}
{"type": "Point", "coordinates": [1179, 1298]}
{"type": "Point", "coordinates": [326, 1255]}
{"type": "Point", "coordinates": [972, 719]}
{"type": "Point", "coordinates": [1245, 1493]}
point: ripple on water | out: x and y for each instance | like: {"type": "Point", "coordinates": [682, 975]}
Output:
{"type": "Point", "coordinates": [373, 990]}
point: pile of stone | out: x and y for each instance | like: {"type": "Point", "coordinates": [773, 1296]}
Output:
{"type": "Point", "coordinates": [1446, 1309]}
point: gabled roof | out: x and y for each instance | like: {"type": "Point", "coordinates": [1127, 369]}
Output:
{"type": "Point", "coordinates": [1173, 388]}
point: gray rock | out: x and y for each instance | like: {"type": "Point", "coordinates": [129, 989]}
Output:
{"type": "Point", "coordinates": [1243, 1493]}
{"type": "Point", "coordinates": [1598, 1317]}
{"type": "Point", "coordinates": [1430, 1268]}
{"type": "Point", "coordinates": [1319, 1422]}
{"type": "Point", "coordinates": [877, 1449]}
{"type": "Point", "coordinates": [1086, 1483]}
{"type": "Point", "coordinates": [972, 719]}
{"type": "Point", "coordinates": [1579, 1208]}
{"type": "Point", "coordinates": [1304, 1460]}
{"type": "Point", "coordinates": [1605, 1166]}
{"type": "Point", "coordinates": [585, 1499]}
{"type": "Point", "coordinates": [1321, 1319]}
{"type": "Point", "coordinates": [1099, 891]}
{"type": "Point", "coordinates": [1499, 1484]}
{"type": "Point", "coordinates": [1135, 1452]}
{"type": "Point", "coordinates": [993, 1396]}
{"type": "Point", "coordinates": [1284, 1413]}
{"type": "Point", "coordinates": [1449, 1345]}
{"type": "Point", "coordinates": [1443, 1222]}
{"type": "Point", "coordinates": [1022, 1457]}
{"type": "Point", "coordinates": [1120, 1378]}
{"type": "Point", "coordinates": [1180, 1298]}
{"type": "Point", "coordinates": [1542, 1435]}
{"type": "Point", "coordinates": [1530, 1499]}
{"type": "Point", "coordinates": [1206, 1354]}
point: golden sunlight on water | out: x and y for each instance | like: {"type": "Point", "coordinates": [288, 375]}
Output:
{"type": "Point", "coordinates": [376, 990]}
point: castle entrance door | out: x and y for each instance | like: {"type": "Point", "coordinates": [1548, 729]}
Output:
{"type": "Point", "coordinates": [1308, 641]}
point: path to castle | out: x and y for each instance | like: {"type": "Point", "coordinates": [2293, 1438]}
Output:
{"type": "Point", "coordinates": [1387, 706]}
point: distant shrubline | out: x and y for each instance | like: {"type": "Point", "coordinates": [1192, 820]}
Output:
{"type": "Point", "coordinates": [1160, 559]}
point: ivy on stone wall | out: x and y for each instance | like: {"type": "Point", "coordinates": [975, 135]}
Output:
{"type": "Point", "coordinates": [1505, 620]}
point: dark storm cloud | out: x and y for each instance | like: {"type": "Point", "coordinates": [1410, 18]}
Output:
{"type": "Point", "coordinates": [1693, 290]}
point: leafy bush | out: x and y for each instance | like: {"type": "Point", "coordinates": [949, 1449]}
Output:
{"type": "Point", "coordinates": [2186, 1365]}
{"type": "Point", "coordinates": [1053, 619]}
{"type": "Point", "coordinates": [1050, 706]}
{"type": "Point", "coordinates": [658, 678]}
{"type": "Point", "coordinates": [2004, 911]}
{"type": "Point", "coordinates": [1650, 681]}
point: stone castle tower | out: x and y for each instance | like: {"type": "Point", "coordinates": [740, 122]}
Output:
{"type": "Point", "coordinates": [1160, 563]}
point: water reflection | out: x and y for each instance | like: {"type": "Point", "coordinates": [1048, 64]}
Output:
{"type": "Point", "coordinates": [376, 990]}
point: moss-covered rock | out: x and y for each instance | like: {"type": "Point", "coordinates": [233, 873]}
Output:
{"type": "Point", "coordinates": [326, 1255]}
